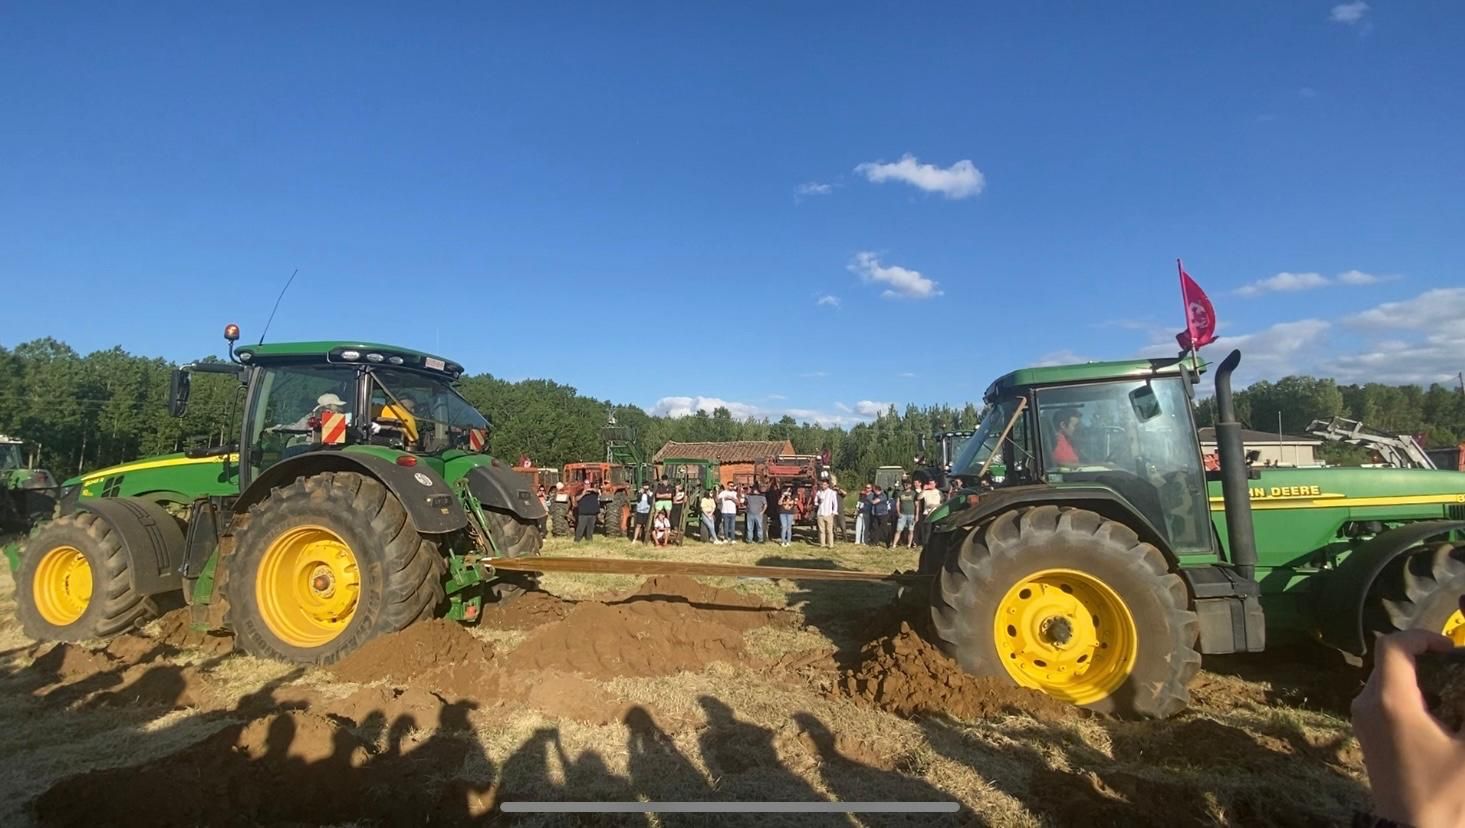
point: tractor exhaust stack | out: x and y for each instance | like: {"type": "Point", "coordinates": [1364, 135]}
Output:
{"type": "Point", "coordinates": [1234, 486]}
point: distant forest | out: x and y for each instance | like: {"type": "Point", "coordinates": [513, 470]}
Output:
{"type": "Point", "coordinates": [85, 412]}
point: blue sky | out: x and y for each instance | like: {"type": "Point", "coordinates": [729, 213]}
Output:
{"type": "Point", "coordinates": [573, 191]}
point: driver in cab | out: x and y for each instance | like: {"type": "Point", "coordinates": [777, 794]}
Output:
{"type": "Point", "coordinates": [1066, 423]}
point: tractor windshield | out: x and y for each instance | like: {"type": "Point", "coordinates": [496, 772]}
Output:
{"type": "Point", "coordinates": [979, 448]}
{"type": "Point", "coordinates": [422, 413]}
{"type": "Point", "coordinates": [10, 456]}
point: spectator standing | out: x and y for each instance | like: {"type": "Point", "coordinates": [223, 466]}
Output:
{"type": "Point", "coordinates": [930, 502]}
{"type": "Point", "coordinates": [643, 514]}
{"type": "Point", "coordinates": [679, 509]}
{"type": "Point", "coordinates": [786, 517]}
{"type": "Point", "coordinates": [587, 509]}
{"type": "Point", "coordinates": [826, 506]}
{"type": "Point", "coordinates": [879, 517]}
{"type": "Point", "coordinates": [862, 514]}
{"type": "Point", "coordinates": [727, 502]}
{"type": "Point", "coordinates": [755, 528]}
{"type": "Point", "coordinates": [664, 493]}
{"type": "Point", "coordinates": [905, 516]}
{"type": "Point", "coordinates": [707, 508]}
{"type": "Point", "coordinates": [544, 521]}
{"type": "Point", "coordinates": [839, 525]}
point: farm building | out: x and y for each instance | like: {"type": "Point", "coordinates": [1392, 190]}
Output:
{"type": "Point", "coordinates": [1451, 458]}
{"type": "Point", "coordinates": [1274, 449]}
{"type": "Point", "coordinates": [739, 459]}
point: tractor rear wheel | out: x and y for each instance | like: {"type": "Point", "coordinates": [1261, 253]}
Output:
{"type": "Point", "coordinates": [617, 514]}
{"type": "Point", "coordinates": [74, 583]}
{"type": "Point", "coordinates": [1420, 589]}
{"type": "Point", "coordinates": [325, 564]}
{"type": "Point", "coordinates": [513, 537]}
{"type": "Point", "coordinates": [1073, 604]}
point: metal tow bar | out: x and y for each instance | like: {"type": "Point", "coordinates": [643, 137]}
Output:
{"type": "Point", "coordinates": [630, 566]}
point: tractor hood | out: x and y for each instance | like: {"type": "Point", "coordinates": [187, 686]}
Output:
{"type": "Point", "coordinates": [163, 474]}
{"type": "Point", "coordinates": [1360, 489]}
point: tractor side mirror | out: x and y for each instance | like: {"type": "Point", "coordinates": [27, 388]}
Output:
{"type": "Point", "coordinates": [178, 392]}
{"type": "Point", "coordinates": [1144, 402]}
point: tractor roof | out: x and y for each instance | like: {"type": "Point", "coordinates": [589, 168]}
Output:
{"type": "Point", "coordinates": [343, 350]}
{"type": "Point", "coordinates": [1086, 372]}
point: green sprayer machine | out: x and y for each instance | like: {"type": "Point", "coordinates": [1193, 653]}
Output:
{"type": "Point", "coordinates": [358, 499]}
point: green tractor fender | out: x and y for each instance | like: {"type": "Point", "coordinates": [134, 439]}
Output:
{"type": "Point", "coordinates": [429, 501]}
{"type": "Point", "coordinates": [151, 538]}
{"type": "Point", "coordinates": [949, 530]}
{"type": "Point", "coordinates": [1339, 605]}
{"type": "Point", "coordinates": [498, 488]}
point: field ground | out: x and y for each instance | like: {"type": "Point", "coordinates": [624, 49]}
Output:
{"type": "Point", "coordinates": [608, 688]}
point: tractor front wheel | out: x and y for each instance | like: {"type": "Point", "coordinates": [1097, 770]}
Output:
{"type": "Point", "coordinates": [1073, 604]}
{"type": "Point", "coordinates": [1420, 589]}
{"type": "Point", "coordinates": [325, 564]}
{"type": "Point", "coordinates": [74, 582]}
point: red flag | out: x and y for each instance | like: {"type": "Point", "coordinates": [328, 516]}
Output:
{"type": "Point", "coordinates": [1200, 317]}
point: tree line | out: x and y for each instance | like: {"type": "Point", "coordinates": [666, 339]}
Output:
{"type": "Point", "coordinates": [84, 412]}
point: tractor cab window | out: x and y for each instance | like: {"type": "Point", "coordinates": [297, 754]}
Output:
{"type": "Point", "coordinates": [986, 447]}
{"type": "Point", "coordinates": [1136, 438]}
{"type": "Point", "coordinates": [10, 456]}
{"type": "Point", "coordinates": [422, 413]}
{"type": "Point", "coordinates": [298, 408]}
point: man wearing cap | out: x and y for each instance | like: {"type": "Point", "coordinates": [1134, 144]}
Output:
{"type": "Point", "coordinates": [325, 402]}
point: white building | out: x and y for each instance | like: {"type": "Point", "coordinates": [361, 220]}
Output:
{"type": "Point", "coordinates": [1273, 449]}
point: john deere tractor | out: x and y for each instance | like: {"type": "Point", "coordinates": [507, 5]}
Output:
{"type": "Point", "coordinates": [352, 504]}
{"type": "Point", "coordinates": [1108, 561]}
{"type": "Point", "coordinates": [27, 495]}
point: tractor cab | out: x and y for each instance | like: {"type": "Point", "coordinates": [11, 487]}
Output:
{"type": "Point", "coordinates": [1122, 426]}
{"type": "Point", "coordinates": [10, 455]}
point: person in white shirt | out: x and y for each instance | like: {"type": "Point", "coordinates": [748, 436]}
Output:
{"type": "Point", "coordinates": [727, 502]}
{"type": "Point", "coordinates": [826, 506]}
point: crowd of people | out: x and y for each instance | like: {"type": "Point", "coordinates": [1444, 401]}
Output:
{"type": "Point", "coordinates": [898, 517]}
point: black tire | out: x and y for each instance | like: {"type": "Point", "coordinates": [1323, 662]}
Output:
{"type": "Point", "coordinates": [39, 507]}
{"type": "Point", "coordinates": [513, 536]}
{"type": "Point", "coordinates": [1420, 589]}
{"type": "Point", "coordinates": [614, 514]}
{"type": "Point", "coordinates": [114, 606]}
{"type": "Point", "coordinates": [1002, 554]}
{"type": "Point", "coordinates": [400, 571]}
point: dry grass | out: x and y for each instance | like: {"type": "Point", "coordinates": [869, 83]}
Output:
{"type": "Point", "coordinates": [751, 732]}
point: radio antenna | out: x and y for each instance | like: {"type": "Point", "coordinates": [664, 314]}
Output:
{"type": "Point", "coordinates": [277, 306]}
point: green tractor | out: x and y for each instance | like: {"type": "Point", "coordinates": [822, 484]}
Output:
{"type": "Point", "coordinates": [27, 495]}
{"type": "Point", "coordinates": [354, 503]}
{"type": "Point", "coordinates": [695, 476]}
{"type": "Point", "coordinates": [1109, 560]}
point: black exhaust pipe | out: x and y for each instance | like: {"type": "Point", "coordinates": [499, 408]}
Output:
{"type": "Point", "coordinates": [1235, 488]}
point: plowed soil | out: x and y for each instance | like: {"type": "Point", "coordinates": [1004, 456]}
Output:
{"type": "Point", "coordinates": [906, 675]}
{"type": "Point", "coordinates": [654, 694]}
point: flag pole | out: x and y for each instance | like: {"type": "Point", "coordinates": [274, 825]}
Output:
{"type": "Point", "coordinates": [1189, 327]}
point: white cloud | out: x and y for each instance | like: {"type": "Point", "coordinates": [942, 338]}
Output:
{"type": "Point", "coordinates": [959, 180]}
{"type": "Point", "coordinates": [809, 189]}
{"type": "Point", "coordinates": [1293, 282]}
{"type": "Point", "coordinates": [871, 408]}
{"type": "Point", "coordinates": [1348, 13]}
{"type": "Point", "coordinates": [842, 407]}
{"type": "Point", "coordinates": [1358, 277]}
{"type": "Point", "coordinates": [907, 375]}
{"type": "Point", "coordinates": [901, 282]}
{"type": "Point", "coordinates": [814, 374]}
{"type": "Point", "coordinates": [827, 300]}
{"type": "Point", "coordinates": [1284, 283]}
{"type": "Point", "coordinates": [1063, 357]}
{"type": "Point", "coordinates": [777, 397]}
{"type": "Point", "coordinates": [687, 406]}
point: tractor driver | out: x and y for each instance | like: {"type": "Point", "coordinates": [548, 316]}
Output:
{"type": "Point", "coordinates": [323, 403]}
{"type": "Point", "coordinates": [1065, 431]}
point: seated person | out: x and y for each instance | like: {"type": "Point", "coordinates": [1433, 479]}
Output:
{"type": "Point", "coordinates": [1065, 431]}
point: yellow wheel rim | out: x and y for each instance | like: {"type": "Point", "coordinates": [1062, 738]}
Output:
{"type": "Point", "coordinates": [1455, 628]}
{"type": "Point", "coordinates": [1066, 633]}
{"type": "Point", "coordinates": [62, 586]}
{"type": "Point", "coordinates": [308, 586]}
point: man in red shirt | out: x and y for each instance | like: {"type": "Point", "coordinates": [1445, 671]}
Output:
{"type": "Point", "coordinates": [1065, 426]}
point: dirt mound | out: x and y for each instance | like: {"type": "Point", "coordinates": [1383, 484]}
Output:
{"type": "Point", "coordinates": [292, 768]}
{"type": "Point", "coordinates": [533, 609]}
{"type": "Point", "coordinates": [669, 625]}
{"type": "Point", "coordinates": [906, 675]}
{"type": "Point", "coordinates": [176, 629]}
{"type": "Point", "coordinates": [68, 663]}
{"type": "Point", "coordinates": [439, 654]}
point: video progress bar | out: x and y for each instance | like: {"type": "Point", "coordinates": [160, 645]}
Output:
{"type": "Point", "coordinates": [730, 807]}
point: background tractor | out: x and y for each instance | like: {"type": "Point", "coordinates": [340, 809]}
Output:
{"type": "Point", "coordinates": [27, 495]}
{"type": "Point", "coordinates": [1109, 560]}
{"type": "Point", "coordinates": [622, 473]}
{"type": "Point", "coordinates": [351, 505]}
{"type": "Point", "coordinates": [695, 476]}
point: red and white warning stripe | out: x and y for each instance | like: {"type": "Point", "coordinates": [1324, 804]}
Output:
{"type": "Point", "coordinates": [332, 428]}
{"type": "Point", "coordinates": [476, 438]}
